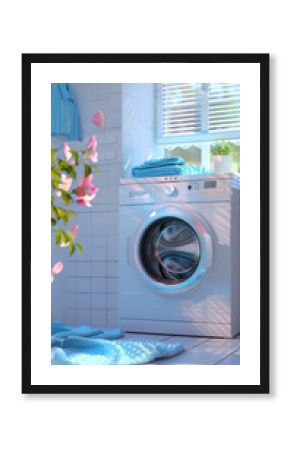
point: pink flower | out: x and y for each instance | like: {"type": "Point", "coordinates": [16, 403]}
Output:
{"type": "Point", "coordinates": [66, 151]}
{"type": "Point", "coordinates": [68, 154]}
{"type": "Point", "coordinates": [86, 191]}
{"type": "Point", "coordinates": [91, 152]}
{"type": "Point", "coordinates": [99, 119]}
{"type": "Point", "coordinates": [73, 233]}
{"type": "Point", "coordinates": [93, 142]}
{"type": "Point", "coordinates": [57, 268]}
{"type": "Point", "coordinates": [65, 184]}
{"type": "Point", "coordinates": [86, 187]}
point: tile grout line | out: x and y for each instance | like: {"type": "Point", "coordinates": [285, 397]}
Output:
{"type": "Point", "coordinates": [172, 358]}
{"type": "Point", "coordinates": [198, 345]}
{"type": "Point", "coordinates": [227, 356]}
{"type": "Point", "coordinates": [190, 348]}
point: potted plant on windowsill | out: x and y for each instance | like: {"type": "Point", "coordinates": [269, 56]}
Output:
{"type": "Point", "coordinates": [222, 156]}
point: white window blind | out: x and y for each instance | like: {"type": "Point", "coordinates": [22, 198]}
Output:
{"type": "Point", "coordinates": [223, 107]}
{"type": "Point", "coordinates": [181, 105]}
{"type": "Point", "coordinates": [195, 112]}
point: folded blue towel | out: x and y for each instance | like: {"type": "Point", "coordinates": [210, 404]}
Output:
{"type": "Point", "coordinates": [86, 345]}
{"type": "Point", "coordinates": [139, 172]}
{"type": "Point", "coordinates": [163, 162]}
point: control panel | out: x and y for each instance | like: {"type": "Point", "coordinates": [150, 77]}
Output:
{"type": "Point", "coordinates": [207, 184]}
{"type": "Point", "coordinates": [199, 184]}
{"type": "Point", "coordinates": [174, 178]}
{"type": "Point", "coordinates": [170, 191]}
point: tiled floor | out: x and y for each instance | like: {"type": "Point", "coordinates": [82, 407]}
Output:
{"type": "Point", "coordinates": [197, 350]}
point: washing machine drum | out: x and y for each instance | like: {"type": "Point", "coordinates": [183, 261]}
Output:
{"type": "Point", "coordinates": [170, 250]}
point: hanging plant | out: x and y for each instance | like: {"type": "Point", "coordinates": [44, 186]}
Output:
{"type": "Point", "coordinates": [65, 165]}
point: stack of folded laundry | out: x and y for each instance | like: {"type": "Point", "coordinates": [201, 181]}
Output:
{"type": "Point", "coordinates": [165, 166]}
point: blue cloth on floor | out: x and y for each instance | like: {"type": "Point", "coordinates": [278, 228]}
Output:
{"type": "Point", "coordinates": [60, 331]}
{"type": "Point", "coordinates": [163, 162]}
{"type": "Point", "coordinates": [139, 172]}
{"type": "Point", "coordinates": [87, 345]}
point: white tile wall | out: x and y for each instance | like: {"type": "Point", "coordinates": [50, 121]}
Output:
{"type": "Point", "coordinates": [112, 318]}
{"type": "Point", "coordinates": [86, 291]}
{"type": "Point", "coordinates": [112, 300]}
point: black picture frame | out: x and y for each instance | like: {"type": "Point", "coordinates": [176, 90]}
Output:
{"type": "Point", "coordinates": [247, 58]}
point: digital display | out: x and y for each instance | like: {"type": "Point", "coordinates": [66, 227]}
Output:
{"type": "Point", "coordinates": [209, 184]}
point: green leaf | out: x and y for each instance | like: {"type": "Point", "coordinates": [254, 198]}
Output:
{"type": "Point", "coordinates": [88, 170]}
{"type": "Point", "coordinates": [66, 197]}
{"type": "Point", "coordinates": [58, 238]}
{"type": "Point", "coordinates": [62, 214]}
{"type": "Point", "coordinates": [55, 172]}
{"type": "Point", "coordinates": [53, 222]}
{"type": "Point", "coordinates": [69, 214]}
{"type": "Point", "coordinates": [222, 148]}
{"type": "Point", "coordinates": [54, 184]}
{"type": "Point", "coordinates": [79, 247]}
{"type": "Point", "coordinates": [66, 167]}
{"type": "Point", "coordinates": [62, 236]}
{"type": "Point", "coordinates": [71, 248]}
{"type": "Point", "coordinates": [75, 156]}
{"type": "Point", "coordinates": [54, 209]}
{"type": "Point", "coordinates": [73, 173]}
{"type": "Point", "coordinates": [66, 236]}
{"type": "Point", "coordinates": [53, 155]}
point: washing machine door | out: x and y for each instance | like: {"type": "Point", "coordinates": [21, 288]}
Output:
{"type": "Point", "coordinates": [175, 250]}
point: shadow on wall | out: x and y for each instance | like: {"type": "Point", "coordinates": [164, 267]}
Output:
{"type": "Point", "coordinates": [138, 125]}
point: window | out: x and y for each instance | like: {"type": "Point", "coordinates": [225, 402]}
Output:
{"type": "Point", "coordinates": [193, 116]}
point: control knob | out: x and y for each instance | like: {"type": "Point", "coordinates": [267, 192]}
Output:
{"type": "Point", "coordinates": [170, 190]}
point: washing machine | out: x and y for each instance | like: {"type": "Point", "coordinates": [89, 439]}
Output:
{"type": "Point", "coordinates": [179, 255]}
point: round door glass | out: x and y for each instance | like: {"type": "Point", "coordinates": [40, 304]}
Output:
{"type": "Point", "coordinates": [170, 250]}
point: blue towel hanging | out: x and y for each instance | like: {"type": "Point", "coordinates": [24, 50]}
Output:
{"type": "Point", "coordinates": [64, 112]}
